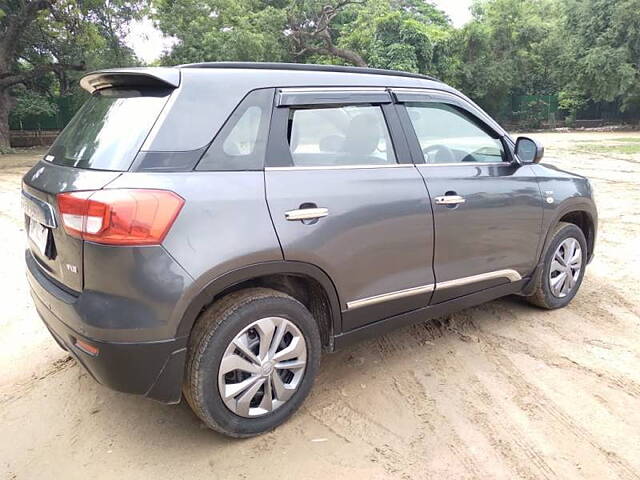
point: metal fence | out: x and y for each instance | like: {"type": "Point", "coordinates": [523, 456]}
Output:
{"type": "Point", "coordinates": [530, 111]}
{"type": "Point", "coordinates": [519, 111]}
{"type": "Point", "coordinates": [65, 111]}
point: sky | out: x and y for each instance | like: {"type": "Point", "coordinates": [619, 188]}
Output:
{"type": "Point", "coordinates": [148, 42]}
{"type": "Point", "coordinates": [458, 10]}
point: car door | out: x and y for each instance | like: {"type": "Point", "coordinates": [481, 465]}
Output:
{"type": "Point", "coordinates": [345, 196]}
{"type": "Point", "coordinates": [487, 207]}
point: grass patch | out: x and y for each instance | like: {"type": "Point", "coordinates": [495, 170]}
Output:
{"type": "Point", "coordinates": [600, 148]}
{"type": "Point", "coordinates": [612, 140]}
{"type": "Point", "coordinates": [6, 150]}
{"type": "Point", "coordinates": [627, 139]}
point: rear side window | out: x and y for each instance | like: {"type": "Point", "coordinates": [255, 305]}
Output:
{"type": "Point", "coordinates": [244, 134]}
{"type": "Point", "coordinates": [242, 141]}
{"type": "Point", "coordinates": [447, 135]}
{"type": "Point", "coordinates": [340, 136]}
{"type": "Point", "coordinates": [109, 129]}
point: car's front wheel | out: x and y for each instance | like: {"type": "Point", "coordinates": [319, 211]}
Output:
{"type": "Point", "coordinates": [252, 359]}
{"type": "Point", "coordinates": [563, 268]}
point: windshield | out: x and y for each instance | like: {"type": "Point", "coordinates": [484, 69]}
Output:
{"type": "Point", "coordinates": [109, 129]}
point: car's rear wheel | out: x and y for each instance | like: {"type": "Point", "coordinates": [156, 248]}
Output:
{"type": "Point", "coordinates": [563, 269]}
{"type": "Point", "coordinates": [252, 359]}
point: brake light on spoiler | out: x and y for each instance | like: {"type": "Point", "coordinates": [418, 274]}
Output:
{"type": "Point", "coordinates": [119, 216]}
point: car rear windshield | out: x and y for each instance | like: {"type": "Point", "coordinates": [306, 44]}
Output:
{"type": "Point", "coordinates": [109, 129]}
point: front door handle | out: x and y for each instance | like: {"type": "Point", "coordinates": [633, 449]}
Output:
{"type": "Point", "coordinates": [449, 200]}
{"type": "Point", "coordinates": [306, 214]}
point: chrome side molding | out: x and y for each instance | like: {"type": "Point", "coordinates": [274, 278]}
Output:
{"type": "Point", "coordinates": [385, 297]}
{"type": "Point", "coordinates": [508, 273]}
{"type": "Point", "coordinates": [342, 167]}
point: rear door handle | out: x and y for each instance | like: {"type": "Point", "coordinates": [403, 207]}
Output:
{"type": "Point", "coordinates": [306, 214]}
{"type": "Point", "coordinates": [449, 200]}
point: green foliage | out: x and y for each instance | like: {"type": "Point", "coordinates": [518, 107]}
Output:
{"type": "Point", "coordinates": [401, 34]}
{"type": "Point", "coordinates": [30, 103]}
{"type": "Point", "coordinates": [399, 42]}
{"type": "Point", "coordinates": [42, 44]}
{"type": "Point", "coordinates": [587, 52]}
{"type": "Point", "coordinates": [509, 48]}
{"type": "Point", "coordinates": [572, 101]}
{"type": "Point", "coordinates": [215, 30]}
{"type": "Point", "coordinates": [533, 114]}
{"type": "Point", "coordinates": [601, 59]}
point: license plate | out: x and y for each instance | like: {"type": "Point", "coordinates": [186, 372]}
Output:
{"type": "Point", "coordinates": [39, 234]}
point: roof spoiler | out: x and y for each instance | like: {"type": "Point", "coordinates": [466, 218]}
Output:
{"type": "Point", "coordinates": [167, 77]}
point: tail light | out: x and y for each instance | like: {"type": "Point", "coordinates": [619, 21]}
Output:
{"type": "Point", "coordinates": [119, 216]}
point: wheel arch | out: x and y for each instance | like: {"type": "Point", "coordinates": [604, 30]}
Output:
{"type": "Point", "coordinates": [304, 281]}
{"type": "Point", "coordinates": [580, 212]}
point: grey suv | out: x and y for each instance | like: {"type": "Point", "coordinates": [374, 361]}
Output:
{"type": "Point", "coordinates": [210, 228]}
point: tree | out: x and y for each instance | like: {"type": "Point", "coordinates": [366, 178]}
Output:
{"type": "Point", "coordinates": [405, 34]}
{"type": "Point", "coordinates": [29, 103]}
{"type": "Point", "coordinates": [310, 29]}
{"type": "Point", "coordinates": [251, 30]}
{"type": "Point", "coordinates": [42, 41]}
{"type": "Point", "coordinates": [601, 60]}
{"type": "Point", "coordinates": [410, 35]}
{"type": "Point", "coordinates": [509, 48]}
{"type": "Point", "coordinates": [585, 51]}
{"type": "Point", "coordinates": [572, 102]}
{"type": "Point", "coordinates": [216, 30]}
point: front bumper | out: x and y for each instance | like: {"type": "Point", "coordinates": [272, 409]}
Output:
{"type": "Point", "coordinates": [153, 369]}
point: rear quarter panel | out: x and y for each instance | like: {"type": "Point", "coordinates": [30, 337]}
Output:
{"type": "Point", "coordinates": [224, 224]}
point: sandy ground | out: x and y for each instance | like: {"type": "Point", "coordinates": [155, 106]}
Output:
{"type": "Point", "coordinates": [503, 390]}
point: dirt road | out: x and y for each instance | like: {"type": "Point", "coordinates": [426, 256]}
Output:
{"type": "Point", "coordinates": [499, 391]}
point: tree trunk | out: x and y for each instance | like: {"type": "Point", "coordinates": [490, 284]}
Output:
{"type": "Point", "coordinates": [5, 107]}
{"type": "Point", "coordinates": [348, 55]}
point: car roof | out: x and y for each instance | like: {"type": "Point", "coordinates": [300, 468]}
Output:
{"type": "Point", "coordinates": [262, 75]}
{"type": "Point", "coordinates": [307, 67]}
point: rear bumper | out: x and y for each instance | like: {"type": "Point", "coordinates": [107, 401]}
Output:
{"type": "Point", "coordinates": [153, 369]}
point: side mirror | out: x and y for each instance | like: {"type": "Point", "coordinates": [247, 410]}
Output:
{"type": "Point", "coordinates": [529, 150]}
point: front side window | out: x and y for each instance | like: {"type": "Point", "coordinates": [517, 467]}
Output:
{"type": "Point", "coordinates": [447, 135]}
{"type": "Point", "coordinates": [340, 136]}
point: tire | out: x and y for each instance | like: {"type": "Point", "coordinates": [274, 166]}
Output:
{"type": "Point", "coordinates": [210, 344]}
{"type": "Point", "coordinates": [545, 292]}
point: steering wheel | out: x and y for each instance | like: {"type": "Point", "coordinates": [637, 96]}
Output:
{"type": "Point", "coordinates": [438, 154]}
